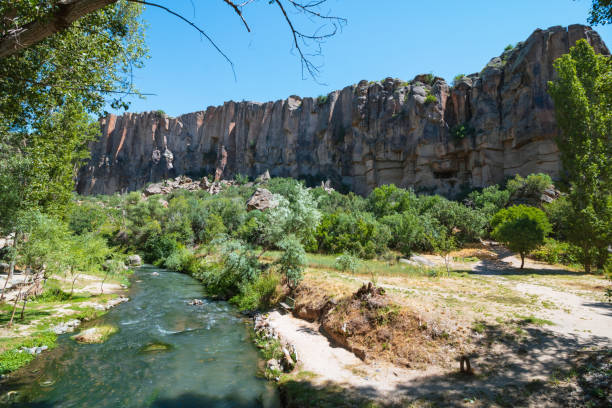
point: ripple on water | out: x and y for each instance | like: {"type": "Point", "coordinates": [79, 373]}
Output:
{"type": "Point", "coordinates": [209, 361]}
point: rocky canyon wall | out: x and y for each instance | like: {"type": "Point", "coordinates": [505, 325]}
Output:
{"type": "Point", "coordinates": [488, 126]}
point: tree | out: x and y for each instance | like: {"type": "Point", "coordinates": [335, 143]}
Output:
{"type": "Point", "coordinates": [521, 228]}
{"type": "Point", "coordinates": [292, 261]}
{"type": "Point", "coordinates": [24, 23]}
{"type": "Point", "coordinates": [582, 94]}
{"type": "Point", "coordinates": [443, 244]}
{"type": "Point", "coordinates": [601, 13]}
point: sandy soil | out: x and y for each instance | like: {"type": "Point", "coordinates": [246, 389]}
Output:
{"type": "Point", "coordinates": [336, 365]}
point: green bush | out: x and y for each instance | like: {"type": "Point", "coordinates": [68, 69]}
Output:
{"type": "Point", "coordinates": [158, 248]}
{"type": "Point", "coordinates": [521, 228]}
{"type": "Point", "coordinates": [182, 260]}
{"type": "Point", "coordinates": [359, 234]}
{"type": "Point", "coordinates": [407, 231]}
{"type": "Point", "coordinates": [389, 199]}
{"type": "Point", "coordinates": [347, 263]}
{"type": "Point", "coordinates": [490, 200]}
{"type": "Point", "coordinates": [258, 295]}
{"type": "Point", "coordinates": [321, 100]}
{"type": "Point", "coordinates": [241, 178]}
{"type": "Point", "coordinates": [458, 78]}
{"type": "Point", "coordinates": [556, 252]}
{"type": "Point", "coordinates": [86, 217]}
{"type": "Point", "coordinates": [532, 186]}
{"type": "Point", "coordinates": [292, 261]}
{"type": "Point", "coordinates": [430, 99]}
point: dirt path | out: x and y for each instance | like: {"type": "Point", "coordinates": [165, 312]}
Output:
{"type": "Point", "coordinates": [572, 314]}
{"type": "Point", "coordinates": [336, 365]}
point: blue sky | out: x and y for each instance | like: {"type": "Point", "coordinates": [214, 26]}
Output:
{"type": "Point", "coordinates": [397, 38]}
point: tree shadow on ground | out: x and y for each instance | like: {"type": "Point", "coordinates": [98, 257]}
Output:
{"type": "Point", "coordinates": [500, 267]}
{"type": "Point", "coordinates": [510, 370]}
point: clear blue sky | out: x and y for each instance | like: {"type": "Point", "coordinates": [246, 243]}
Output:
{"type": "Point", "coordinates": [397, 38]}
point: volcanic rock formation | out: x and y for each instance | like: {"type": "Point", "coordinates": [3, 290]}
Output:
{"type": "Point", "coordinates": [422, 134]}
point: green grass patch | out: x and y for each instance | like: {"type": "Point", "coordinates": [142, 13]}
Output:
{"type": "Point", "coordinates": [524, 320]}
{"type": "Point", "coordinates": [11, 359]}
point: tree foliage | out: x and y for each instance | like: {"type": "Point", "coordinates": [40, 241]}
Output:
{"type": "Point", "coordinates": [521, 228]}
{"type": "Point", "coordinates": [582, 94]}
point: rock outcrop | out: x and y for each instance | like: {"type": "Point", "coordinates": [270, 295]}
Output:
{"type": "Point", "coordinates": [487, 126]}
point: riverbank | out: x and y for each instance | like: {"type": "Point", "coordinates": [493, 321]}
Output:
{"type": "Point", "coordinates": [55, 311]}
{"type": "Point", "coordinates": [534, 337]}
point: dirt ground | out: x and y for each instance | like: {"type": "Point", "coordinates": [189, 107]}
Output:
{"type": "Point", "coordinates": [528, 330]}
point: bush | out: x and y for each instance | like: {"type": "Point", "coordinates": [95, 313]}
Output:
{"type": "Point", "coordinates": [458, 78]}
{"type": "Point", "coordinates": [182, 260]}
{"type": "Point", "coordinates": [490, 200]}
{"type": "Point", "coordinates": [521, 228]}
{"type": "Point", "coordinates": [321, 100]}
{"type": "Point", "coordinates": [292, 262]}
{"type": "Point", "coordinates": [407, 231]}
{"type": "Point", "coordinates": [532, 186]}
{"type": "Point", "coordinates": [86, 217]}
{"type": "Point", "coordinates": [347, 263]}
{"type": "Point", "coordinates": [556, 252]}
{"type": "Point", "coordinates": [389, 199]}
{"type": "Point", "coordinates": [260, 294]}
{"type": "Point", "coordinates": [359, 234]}
{"type": "Point", "coordinates": [158, 248]}
{"type": "Point", "coordinates": [430, 98]}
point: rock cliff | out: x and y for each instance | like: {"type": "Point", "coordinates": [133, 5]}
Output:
{"type": "Point", "coordinates": [423, 133]}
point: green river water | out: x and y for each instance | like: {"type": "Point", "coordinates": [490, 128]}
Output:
{"type": "Point", "coordinates": [210, 361]}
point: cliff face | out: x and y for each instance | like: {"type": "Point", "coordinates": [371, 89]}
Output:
{"type": "Point", "coordinates": [497, 123]}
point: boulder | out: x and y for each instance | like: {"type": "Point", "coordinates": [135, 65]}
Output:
{"type": "Point", "coordinates": [263, 178]}
{"type": "Point", "coordinates": [262, 199]}
{"type": "Point", "coordinates": [98, 334]}
{"type": "Point", "coordinates": [153, 189]}
{"type": "Point", "coordinates": [134, 260]}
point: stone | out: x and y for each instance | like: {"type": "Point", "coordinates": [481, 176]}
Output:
{"type": "Point", "coordinates": [365, 135]}
{"type": "Point", "coordinates": [134, 260]}
{"type": "Point", "coordinates": [263, 178]}
{"type": "Point", "coordinates": [66, 327]}
{"type": "Point", "coordinates": [262, 199]}
{"type": "Point", "coordinates": [153, 189]}
{"type": "Point", "coordinates": [98, 334]}
{"type": "Point", "coordinates": [273, 365]}
{"type": "Point", "coordinates": [196, 302]}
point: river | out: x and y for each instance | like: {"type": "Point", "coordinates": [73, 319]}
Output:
{"type": "Point", "coordinates": [206, 357]}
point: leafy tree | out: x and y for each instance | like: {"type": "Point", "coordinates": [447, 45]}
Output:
{"type": "Point", "coordinates": [582, 95]}
{"type": "Point", "coordinates": [48, 93]}
{"type": "Point", "coordinates": [522, 228]}
{"type": "Point", "coordinates": [601, 13]}
{"type": "Point", "coordinates": [292, 261]}
{"type": "Point", "coordinates": [346, 263]}
{"type": "Point", "coordinates": [443, 244]}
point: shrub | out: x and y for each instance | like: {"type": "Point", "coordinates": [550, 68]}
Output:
{"type": "Point", "coordinates": [460, 132]}
{"type": "Point", "coordinates": [521, 228]}
{"type": "Point", "coordinates": [532, 186]}
{"type": "Point", "coordinates": [468, 224]}
{"type": "Point", "coordinates": [430, 99]}
{"type": "Point", "coordinates": [359, 234]}
{"type": "Point", "coordinates": [86, 217]}
{"type": "Point", "coordinates": [158, 248]}
{"type": "Point", "coordinates": [508, 47]}
{"type": "Point", "coordinates": [559, 213]}
{"type": "Point", "coordinates": [490, 200]}
{"type": "Point", "coordinates": [346, 263]}
{"type": "Point", "coordinates": [260, 294]}
{"type": "Point", "coordinates": [241, 178]}
{"type": "Point", "coordinates": [182, 260]}
{"type": "Point", "coordinates": [292, 261]}
{"type": "Point", "coordinates": [389, 199]}
{"type": "Point", "coordinates": [321, 100]}
{"type": "Point", "coordinates": [407, 231]}
{"type": "Point", "coordinates": [458, 78]}
{"type": "Point", "coordinates": [556, 252]}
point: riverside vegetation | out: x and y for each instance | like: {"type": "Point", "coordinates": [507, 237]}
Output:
{"type": "Point", "coordinates": [316, 245]}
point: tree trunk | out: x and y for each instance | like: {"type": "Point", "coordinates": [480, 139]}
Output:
{"type": "Point", "coordinates": [67, 12]}
{"type": "Point", "coordinates": [522, 260]}
{"type": "Point", "coordinates": [10, 323]}
{"type": "Point", "coordinates": [11, 266]}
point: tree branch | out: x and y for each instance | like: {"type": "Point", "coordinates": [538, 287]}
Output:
{"type": "Point", "coordinates": [66, 12]}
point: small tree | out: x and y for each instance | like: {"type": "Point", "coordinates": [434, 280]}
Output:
{"type": "Point", "coordinates": [347, 263]}
{"type": "Point", "coordinates": [522, 228]}
{"type": "Point", "coordinates": [292, 261]}
{"type": "Point", "coordinates": [443, 244]}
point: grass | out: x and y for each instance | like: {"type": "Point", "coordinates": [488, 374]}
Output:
{"type": "Point", "coordinates": [12, 359]}
{"type": "Point", "coordinates": [524, 320]}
